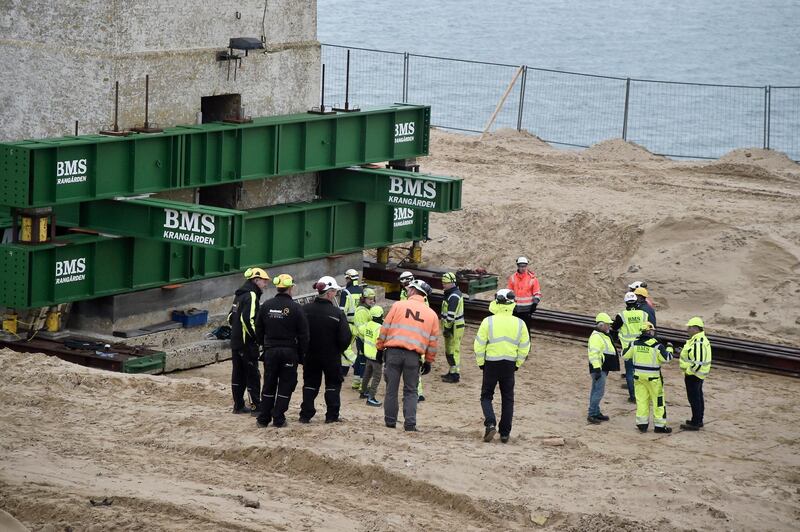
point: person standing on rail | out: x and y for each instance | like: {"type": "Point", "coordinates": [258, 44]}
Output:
{"type": "Point", "coordinates": [452, 325]}
{"type": "Point", "coordinates": [282, 329]}
{"type": "Point", "coordinates": [501, 347]}
{"type": "Point", "coordinates": [600, 348]}
{"type": "Point", "coordinates": [330, 336]}
{"type": "Point", "coordinates": [695, 361]}
{"type": "Point", "coordinates": [525, 286]}
{"type": "Point", "coordinates": [244, 345]}
{"type": "Point", "coordinates": [648, 355]}
{"type": "Point", "coordinates": [348, 302]}
{"type": "Point", "coordinates": [627, 327]}
{"type": "Point", "coordinates": [409, 335]}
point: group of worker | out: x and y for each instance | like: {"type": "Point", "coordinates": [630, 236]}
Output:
{"type": "Point", "coordinates": [634, 329]}
{"type": "Point", "coordinates": [343, 327]}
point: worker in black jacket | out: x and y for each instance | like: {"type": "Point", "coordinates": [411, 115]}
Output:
{"type": "Point", "coordinates": [244, 347]}
{"type": "Point", "coordinates": [282, 329]}
{"type": "Point", "coordinates": [330, 336]}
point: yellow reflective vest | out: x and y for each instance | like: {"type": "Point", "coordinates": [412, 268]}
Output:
{"type": "Point", "coordinates": [599, 346]}
{"type": "Point", "coordinates": [632, 321]}
{"type": "Point", "coordinates": [502, 336]}
{"type": "Point", "coordinates": [647, 355]}
{"type": "Point", "coordinates": [361, 317]}
{"type": "Point", "coordinates": [369, 332]}
{"type": "Point", "coordinates": [696, 356]}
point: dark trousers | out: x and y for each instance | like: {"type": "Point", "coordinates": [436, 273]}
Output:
{"type": "Point", "coordinates": [629, 378]}
{"type": "Point", "coordinates": [245, 376]}
{"type": "Point", "coordinates": [694, 391]}
{"type": "Point", "coordinates": [502, 373]}
{"type": "Point", "coordinates": [313, 370]}
{"type": "Point", "coordinates": [526, 317]}
{"type": "Point", "coordinates": [280, 379]}
{"type": "Point", "coordinates": [361, 360]}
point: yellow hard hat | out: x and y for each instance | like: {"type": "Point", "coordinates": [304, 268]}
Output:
{"type": "Point", "coordinates": [642, 291]}
{"type": "Point", "coordinates": [449, 277]}
{"type": "Point", "coordinates": [647, 326]}
{"type": "Point", "coordinates": [376, 311]}
{"type": "Point", "coordinates": [603, 318]}
{"type": "Point", "coordinates": [255, 273]}
{"type": "Point", "coordinates": [284, 280]}
{"type": "Point", "coordinates": [696, 321]}
{"type": "Point", "coordinates": [368, 292]}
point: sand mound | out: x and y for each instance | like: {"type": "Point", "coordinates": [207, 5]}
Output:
{"type": "Point", "coordinates": [767, 159]}
{"type": "Point", "coordinates": [618, 150]}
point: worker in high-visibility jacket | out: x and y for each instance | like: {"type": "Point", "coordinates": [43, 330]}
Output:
{"type": "Point", "coordinates": [244, 344]}
{"type": "Point", "coordinates": [405, 279]}
{"type": "Point", "coordinates": [525, 286]}
{"type": "Point", "coordinates": [452, 325]}
{"type": "Point", "coordinates": [409, 335]}
{"type": "Point", "coordinates": [695, 361]}
{"type": "Point", "coordinates": [501, 347]}
{"type": "Point", "coordinates": [627, 327]}
{"type": "Point", "coordinates": [648, 354]}
{"type": "Point", "coordinates": [369, 332]}
{"type": "Point", "coordinates": [348, 302]}
{"type": "Point", "coordinates": [361, 317]}
{"type": "Point", "coordinates": [600, 347]}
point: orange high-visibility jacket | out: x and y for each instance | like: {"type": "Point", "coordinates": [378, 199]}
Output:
{"type": "Point", "coordinates": [525, 287]}
{"type": "Point", "coordinates": [412, 325]}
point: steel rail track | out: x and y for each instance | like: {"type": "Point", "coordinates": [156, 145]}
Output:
{"type": "Point", "coordinates": [759, 356]}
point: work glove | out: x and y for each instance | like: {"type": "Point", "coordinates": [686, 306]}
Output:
{"type": "Point", "coordinates": [480, 367]}
{"type": "Point", "coordinates": [379, 357]}
{"type": "Point", "coordinates": [533, 307]}
{"type": "Point", "coordinates": [425, 368]}
{"type": "Point", "coordinates": [596, 374]}
{"type": "Point", "coordinates": [516, 369]}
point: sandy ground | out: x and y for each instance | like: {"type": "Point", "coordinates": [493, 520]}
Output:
{"type": "Point", "coordinates": [720, 239]}
{"type": "Point", "coordinates": [165, 452]}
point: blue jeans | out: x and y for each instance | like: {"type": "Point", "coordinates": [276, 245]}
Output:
{"type": "Point", "coordinates": [598, 390]}
{"type": "Point", "coordinates": [629, 377]}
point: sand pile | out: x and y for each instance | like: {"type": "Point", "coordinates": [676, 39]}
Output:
{"type": "Point", "coordinates": [713, 239]}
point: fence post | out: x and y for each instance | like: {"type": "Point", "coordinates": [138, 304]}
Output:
{"type": "Point", "coordinates": [767, 114]}
{"type": "Point", "coordinates": [522, 96]}
{"type": "Point", "coordinates": [405, 77]}
{"type": "Point", "coordinates": [625, 114]}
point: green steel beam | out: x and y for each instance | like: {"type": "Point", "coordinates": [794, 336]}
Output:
{"type": "Point", "coordinates": [80, 266]}
{"type": "Point", "coordinates": [48, 172]}
{"type": "Point", "coordinates": [170, 221]}
{"type": "Point", "coordinates": [394, 187]}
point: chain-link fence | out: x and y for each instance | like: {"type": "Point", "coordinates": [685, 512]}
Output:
{"type": "Point", "coordinates": [669, 118]}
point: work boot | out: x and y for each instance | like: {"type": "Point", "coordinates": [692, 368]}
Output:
{"type": "Point", "coordinates": [689, 426]}
{"type": "Point", "coordinates": [602, 417]}
{"type": "Point", "coordinates": [362, 395]}
{"type": "Point", "coordinates": [631, 399]}
{"type": "Point", "coordinates": [262, 424]}
{"type": "Point", "coordinates": [373, 402]}
{"type": "Point", "coordinates": [279, 425]}
{"type": "Point", "coordinates": [255, 411]}
{"type": "Point", "coordinates": [333, 420]}
{"type": "Point", "coordinates": [642, 428]}
{"type": "Point", "coordinates": [489, 434]}
{"type": "Point", "coordinates": [662, 430]}
{"type": "Point", "coordinates": [504, 439]}
{"type": "Point", "coordinates": [411, 428]}
{"type": "Point", "coordinates": [304, 421]}
{"type": "Point", "coordinates": [689, 422]}
{"type": "Point", "coordinates": [593, 420]}
{"type": "Point", "coordinates": [241, 410]}
{"type": "Point", "coordinates": [391, 425]}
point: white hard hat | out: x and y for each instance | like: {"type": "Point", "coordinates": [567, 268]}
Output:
{"type": "Point", "coordinates": [326, 283]}
{"type": "Point", "coordinates": [505, 296]}
{"type": "Point", "coordinates": [523, 260]}
{"type": "Point", "coordinates": [630, 297]}
{"type": "Point", "coordinates": [637, 284]}
{"type": "Point", "coordinates": [351, 273]}
{"type": "Point", "coordinates": [421, 285]}
{"type": "Point", "coordinates": [406, 276]}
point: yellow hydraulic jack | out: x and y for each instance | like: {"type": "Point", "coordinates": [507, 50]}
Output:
{"type": "Point", "coordinates": [53, 321]}
{"type": "Point", "coordinates": [383, 256]}
{"type": "Point", "coordinates": [10, 323]}
{"type": "Point", "coordinates": [416, 253]}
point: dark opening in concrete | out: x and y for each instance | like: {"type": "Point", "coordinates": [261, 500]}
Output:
{"type": "Point", "coordinates": [215, 109]}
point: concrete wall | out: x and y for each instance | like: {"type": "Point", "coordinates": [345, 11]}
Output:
{"type": "Point", "coordinates": [59, 61]}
